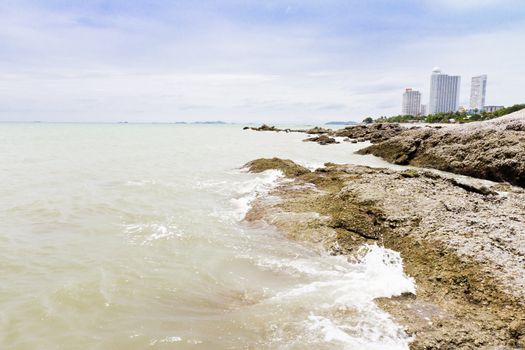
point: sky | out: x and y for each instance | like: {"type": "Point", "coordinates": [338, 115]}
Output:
{"type": "Point", "coordinates": [287, 61]}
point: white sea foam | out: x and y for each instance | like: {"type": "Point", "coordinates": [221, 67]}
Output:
{"type": "Point", "coordinates": [365, 336]}
{"type": "Point", "coordinates": [147, 233]}
{"type": "Point", "coordinates": [172, 339]}
{"type": "Point", "coordinates": [242, 193]}
{"type": "Point", "coordinates": [384, 270]}
{"type": "Point", "coordinates": [250, 190]}
{"type": "Point", "coordinates": [337, 284]}
{"type": "Point", "coordinates": [339, 138]}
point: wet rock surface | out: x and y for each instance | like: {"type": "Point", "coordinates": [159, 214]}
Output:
{"type": "Point", "coordinates": [371, 132]}
{"type": "Point", "coordinates": [493, 150]}
{"type": "Point", "coordinates": [322, 140]}
{"type": "Point", "coordinates": [463, 242]}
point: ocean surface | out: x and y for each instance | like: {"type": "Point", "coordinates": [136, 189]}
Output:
{"type": "Point", "coordinates": [130, 236]}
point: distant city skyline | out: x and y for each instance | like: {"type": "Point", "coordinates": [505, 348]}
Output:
{"type": "Point", "coordinates": [445, 92]}
{"type": "Point", "coordinates": [284, 61]}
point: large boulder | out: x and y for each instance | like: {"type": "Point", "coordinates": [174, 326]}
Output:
{"type": "Point", "coordinates": [288, 167]}
{"type": "Point", "coordinates": [322, 140]}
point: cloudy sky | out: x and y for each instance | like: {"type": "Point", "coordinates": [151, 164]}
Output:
{"type": "Point", "coordinates": [248, 60]}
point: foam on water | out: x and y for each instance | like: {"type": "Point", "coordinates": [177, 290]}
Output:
{"type": "Point", "coordinates": [333, 302]}
{"type": "Point", "coordinates": [339, 297]}
{"type": "Point", "coordinates": [242, 193]}
{"type": "Point", "coordinates": [147, 233]}
{"type": "Point", "coordinates": [250, 190]}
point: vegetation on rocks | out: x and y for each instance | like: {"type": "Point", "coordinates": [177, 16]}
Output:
{"type": "Point", "coordinates": [456, 117]}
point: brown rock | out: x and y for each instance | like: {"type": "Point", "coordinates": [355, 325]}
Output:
{"type": "Point", "coordinates": [376, 132]}
{"type": "Point", "coordinates": [460, 241]}
{"type": "Point", "coordinates": [288, 167]}
{"type": "Point", "coordinates": [322, 140]}
{"type": "Point", "coordinates": [492, 150]}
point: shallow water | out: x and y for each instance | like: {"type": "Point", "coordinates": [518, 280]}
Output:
{"type": "Point", "coordinates": [131, 237]}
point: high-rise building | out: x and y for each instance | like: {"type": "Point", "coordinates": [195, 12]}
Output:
{"type": "Point", "coordinates": [444, 92]}
{"type": "Point", "coordinates": [478, 89]}
{"type": "Point", "coordinates": [423, 110]}
{"type": "Point", "coordinates": [411, 102]}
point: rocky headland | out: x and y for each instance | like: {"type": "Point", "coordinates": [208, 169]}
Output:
{"type": "Point", "coordinates": [462, 239]}
{"type": "Point", "coordinates": [463, 242]}
{"type": "Point", "coordinates": [493, 150]}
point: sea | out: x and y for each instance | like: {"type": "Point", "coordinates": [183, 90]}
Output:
{"type": "Point", "coordinates": [131, 236]}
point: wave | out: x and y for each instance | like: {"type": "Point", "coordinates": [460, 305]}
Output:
{"type": "Point", "coordinates": [338, 299]}
{"type": "Point", "coordinates": [241, 194]}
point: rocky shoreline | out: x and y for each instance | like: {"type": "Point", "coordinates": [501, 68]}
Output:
{"type": "Point", "coordinates": [493, 150]}
{"type": "Point", "coordinates": [463, 243]}
{"type": "Point", "coordinates": [355, 133]}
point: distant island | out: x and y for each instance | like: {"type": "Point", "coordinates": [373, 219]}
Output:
{"type": "Point", "coordinates": [205, 122]}
{"type": "Point", "coordinates": [341, 123]}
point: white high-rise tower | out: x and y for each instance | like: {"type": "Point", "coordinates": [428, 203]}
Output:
{"type": "Point", "coordinates": [444, 92]}
{"type": "Point", "coordinates": [411, 102]}
{"type": "Point", "coordinates": [478, 89]}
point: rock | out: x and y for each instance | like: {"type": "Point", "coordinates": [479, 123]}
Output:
{"type": "Point", "coordinates": [288, 167]}
{"type": "Point", "coordinates": [460, 241]}
{"type": "Point", "coordinates": [322, 140]}
{"type": "Point", "coordinates": [516, 127]}
{"type": "Point", "coordinates": [265, 127]}
{"type": "Point", "coordinates": [376, 132]}
{"type": "Point", "coordinates": [492, 150]}
{"type": "Point", "coordinates": [317, 131]}
{"type": "Point", "coordinates": [517, 331]}
{"type": "Point", "coordinates": [362, 218]}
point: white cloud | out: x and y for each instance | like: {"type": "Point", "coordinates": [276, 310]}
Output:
{"type": "Point", "coordinates": [497, 54]}
{"type": "Point", "coordinates": [64, 66]}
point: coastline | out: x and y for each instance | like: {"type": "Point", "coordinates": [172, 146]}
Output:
{"type": "Point", "coordinates": [468, 267]}
{"type": "Point", "coordinates": [462, 241]}
{"type": "Point", "coordinates": [492, 150]}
